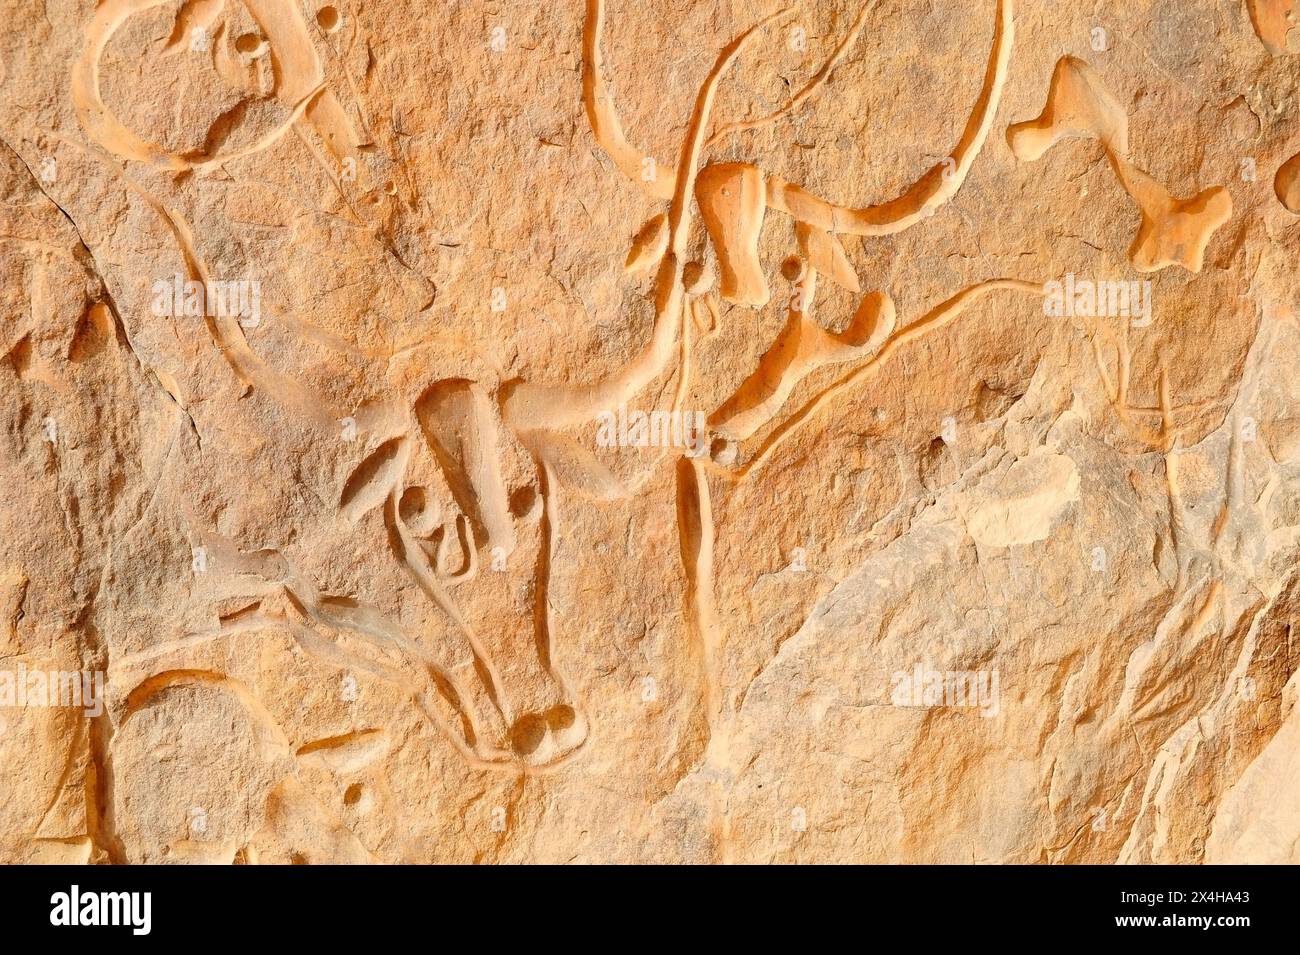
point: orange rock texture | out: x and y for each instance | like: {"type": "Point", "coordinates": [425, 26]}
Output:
{"type": "Point", "coordinates": [698, 432]}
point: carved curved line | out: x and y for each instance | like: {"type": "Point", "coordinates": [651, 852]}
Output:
{"type": "Point", "coordinates": [468, 549]}
{"type": "Point", "coordinates": [1269, 18]}
{"type": "Point", "coordinates": [677, 215]}
{"type": "Point", "coordinates": [801, 349]}
{"type": "Point", "coordinates": [812, 86]}
{"type": "Point", "coordinates": [529, 406]}
{"type": "Point", "coordinates": [603, 117]}
{"type": "Point", "coordinates": [271, 739]}
{"type": "Point", "coordinates": [1286, 184]}
{"type": "Point", "coordinates": [934, 188]}
{"type": "Point", "coordinates": [325, 650]}
{"type": "Point", "coordinates": [936, 318]}
{"type": "Point", "coordinates": [412, 557]}
{"type": "Point", "coordinates": [102, 126]}
{"type": "Point", "coordinates": [375, 630]}
{"type": "Point", "coordinates": [228, 335]}
{"type": "Point", "coordinates": [108, 131]}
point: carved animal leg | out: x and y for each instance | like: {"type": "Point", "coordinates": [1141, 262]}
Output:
{"type": "Point", "coordinates": [695, 531]}
{"type": "Point", "coordinates": [933, 320]}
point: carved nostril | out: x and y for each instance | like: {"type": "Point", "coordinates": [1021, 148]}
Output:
{"type": "Point", "coordinates": [561, 717]}
{"type": "Point", "coordinates": [568, 729]}
{"type": "Point", "coordinates": [543, 738]}
{"type": "Point", "coordinates": [527, 734]}
{"type": "Point", "coordinates": [724, 451]}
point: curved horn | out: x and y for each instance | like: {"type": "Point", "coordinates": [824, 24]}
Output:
{"type": "Point", "coordinates": [603, 118]}
{"type": "Point", "coordinates": [533, 406]}
{"type": "Point", "coordinates": [934, 188]}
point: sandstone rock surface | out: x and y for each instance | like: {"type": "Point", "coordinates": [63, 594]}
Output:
{"type": "Point", "coordinates": [693, 432]}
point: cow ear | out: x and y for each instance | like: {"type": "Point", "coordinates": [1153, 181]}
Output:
{"type": "Point", "coordinates": [825, 254]}
{"type": "Point", "coordinates": [574, 466]}
{"type": "Point", "coordinates": [346, 754]}
{"type": "Point", "coordinates": [374, 478]}
{"type": "Point", "coordinates": [649, 245]}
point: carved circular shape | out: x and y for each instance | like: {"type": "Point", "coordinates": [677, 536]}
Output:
{"type": "Point", "coordinates": [417, 510]}
{"type": "Point", "coordinates": [561, 717]}
{"type": "Point", "coordinates": [329, 19]}
{"type": "Point", "coordinates": [106, 129]}
{"type": "Point", "coordinates": [525, 504]}
{"type": "Point", "coordinates": [697, 278]}
{"type": "Point", "coordinates": [527, 734]}
{"type": "Point", "coordinates": [250, 44]}
{"type": "Point", "coordinates": [794, 268]}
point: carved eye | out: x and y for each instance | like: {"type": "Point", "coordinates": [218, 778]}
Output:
{"type": "Point", "coordinates": [525, 504]}
{"type": "Point", "coordinates": [697, 278]}
{"type": "Point", "coordinates": [250, 44]}
{"type": "Point", "coordinates": [418, 511]}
